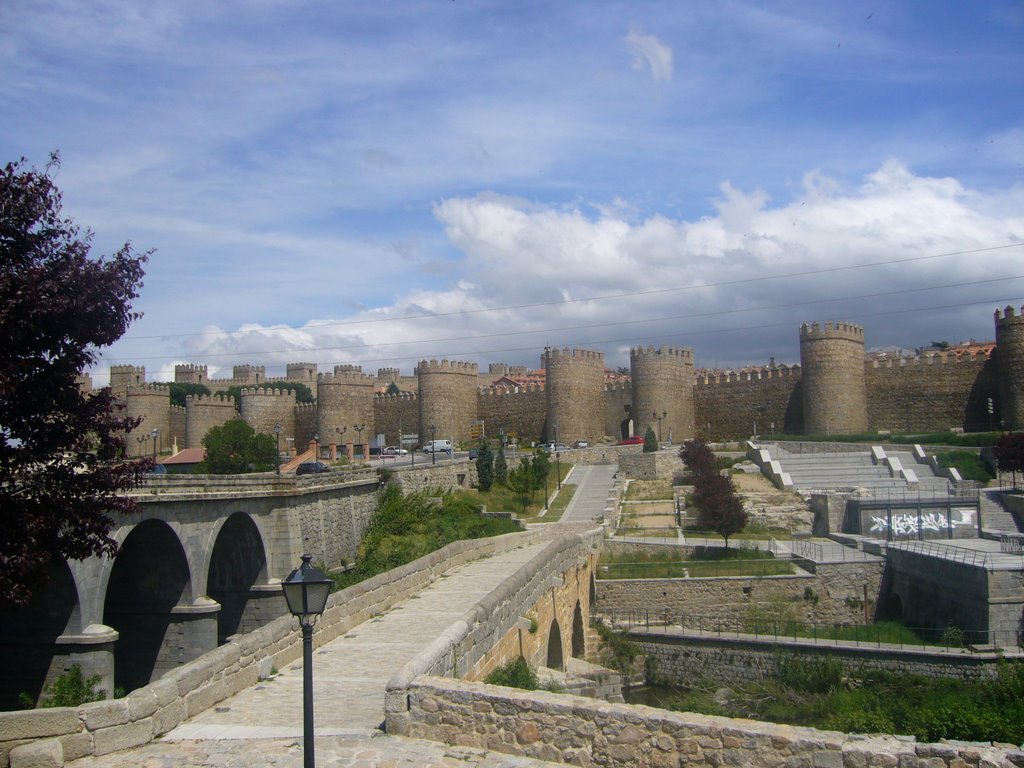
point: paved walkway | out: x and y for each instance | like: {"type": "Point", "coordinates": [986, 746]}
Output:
{"type": "Point", "coordinates": [262, 725]}
{"type": "Point", "coordinates": [593, 483]}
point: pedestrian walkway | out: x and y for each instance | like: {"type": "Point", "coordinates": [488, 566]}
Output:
{"type": "Point", "coordinates": [262, 725]}
{"type": "Point", "coordinates": [593, 484]}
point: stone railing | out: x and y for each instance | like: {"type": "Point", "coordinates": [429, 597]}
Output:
{"type": "Point", "coordinates": [581, 731]}
{"type": "Point", "coordinates": [467, 640]}
{"type": "Point", "coordinates": [52, 736]}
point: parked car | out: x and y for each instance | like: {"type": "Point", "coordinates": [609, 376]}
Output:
{"type": "Point", "coordinates": [552, 446]}
{"type": "Point", "coordinates": [581, 444]}
{"type": "Point", "coordinates": [311, 468]}
{"type": "Point", "coordinates": [635, 440]}
{"type": "Point", "coordinates": [474, 453]}
{"type": "Point", "coordinates": [393, 450]}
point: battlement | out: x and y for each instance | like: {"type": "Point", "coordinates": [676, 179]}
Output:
{"type": "Point", "coordinates": [400, 397]}
{"type": "Point", "coordinates": [933, 358]}
{"type": "Point", "coordinates": [685, 355]}
{"type": "Point", "coordinates": [127, 369]}
{"type": "Point", "coordinates": [574, 354]}
{"type": "Point", "coordinates": [447, 366]}
{"type": "Point", "coordinates": [149, 389]}
{"type": "Point", "coordinates": [389, 374]}
{"type": "Point", "coordinates": [215, 399]}
{"type": "Point", "coordinates": [190, 373]}
{"type": "Point", "coordinates": [707, 377]}
{"type": "Point", "coordinates": [347, 368]}
{"type": "Point", "coordinates": [618, 386]}
{"type": "Point", "coordinates": [504, 391]}
{"type": "Point", "coordinates": [261, 392]}
{"type": "Point", "coordinates": [832, 330]}
{"type": "Point", "coordinates": [499, 369]}
{"type": "Point", "coordinates": [1005, 317]}
{"type": "Point", "coordinates": [305, 407]}
{"type": "Point", "coordinates": [353, 377]}
{"type": "Point", "coordinates": [248, 372]}
{"type": "Point", "coordinates": [303, 371]}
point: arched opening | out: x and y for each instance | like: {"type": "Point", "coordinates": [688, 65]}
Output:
{"type": "Point", "coordinates": [555, 660]}
{"type": "Point", "coordinates": [238, 562]}
{"type": "Point", "coordinates": [892, 608]}
{"type": "Point", "coordinates": [625, 429]}
{"type": "Point", "coordinates": [28, 635]}
{"type": "Point", "coordinates": [149, 578]}
{"type": "Point", "coordinates": [579, 648]}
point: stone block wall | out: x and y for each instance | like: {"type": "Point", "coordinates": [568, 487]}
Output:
{"type": "Point", "coordinates": [263, 409]}
{"type": "Point", "coordinates": [1010, 356]}
{"type": "Point", "coordinates": [152, 404]}
{"type": "Point", "coordinates": [345, 399]}
{"type": "Point", "coordinates": [663, 387]}
{"type": "Point", "coordinates": [575, 395]}
{"type": "Point", "coordinates": [836, 596]}
{"type": "Point", "coordinates": [832, 366]}
{"type": "Point", "coordinates": [447, 399]}
{"type": "Point", "coordinates": [662, 465]}
{"type": "Point", "coordinates": [396, 415]}
{"type": "Point", "coordinates": [520, 413]}
{"type": "Point", "coordinates": [579, 731]}
{"type": "Point", "coordinates": [727, 406]}
{"type": "Point", "coordinates": [203, 413]}
{"type": "Point", "coordinates": [618, 410]}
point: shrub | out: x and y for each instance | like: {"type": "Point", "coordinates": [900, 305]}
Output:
{"type": "Point", "coordinates": [69, 690]}
{"type": "Point", "coordinates": [809, 674]}
{"type": "Point", "coordinates": [515, 674]}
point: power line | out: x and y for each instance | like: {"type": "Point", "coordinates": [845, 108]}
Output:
{"type": "Point", "coordinates": [630, 294]}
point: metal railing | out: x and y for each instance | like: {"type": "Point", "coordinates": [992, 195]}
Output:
{"type": "Point", "coordinates": [890, 635]}
{"type": "Point", "coordinates": [828, 553]}
{"type": "Point", "coordinates": [694, 569]}
{"type": "Point", "coordinates": [955, 554]}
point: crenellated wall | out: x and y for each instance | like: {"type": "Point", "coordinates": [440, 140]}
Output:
{"type": "Point", "coordinates": [265, 409]}
{"type": "Point", "coordinates": [396, 415]}
{"type": "Point", "coordinates": [727, 406]}
{"type": "Point", "coordinates": [519, 411]}
{"type": "Point", "coordinates": [618, 408]}
{"type": "Point", "coordinates": [151, 403]}
{"type": "Point", "coordinates": [202, 413]}
{"type": "Point", "coordinates": [345, 401]}
{"type": "Point", "coordinates": [834, 392]}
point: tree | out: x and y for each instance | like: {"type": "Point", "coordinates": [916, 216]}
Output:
{"type": "Point", "coordinates": [62, 473]}
{"type": "Point", "coordinates": [392, 389]}
{"type": "Point", "coordinates": [180, 391]}
{"type": "Point", "coordinates": [1009, 454]}
{"type": "Point", "coordinates": [650, 441]}
{"type": "Point", "coordinates": [500, 467]}
{"type": "Point", "coordinates": [521, 482]}
{"type": "Point", "coordinates": [540, 468]}
{"type": "Point", "coordinates": [234, 448]}
{"type": "Point", "coordinates": [719, 509]}
{"type": "Point", "coordinates": [484, 467]}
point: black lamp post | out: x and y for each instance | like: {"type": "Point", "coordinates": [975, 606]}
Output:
{"type": "Point", "coordinates": [558, 468]}
{"type": "Point", "coordinates": [154, 434]}
{"type": "Point", "coordinates": [359, 428]}
{"type": "Point", "coordinates": [277, 434]}
{"type": "Point", "coordinates": [433, 447]}
{"type": "Point", "coordinates": [659, 418]}
{"type": "Point", "coordinates": [306, 590]}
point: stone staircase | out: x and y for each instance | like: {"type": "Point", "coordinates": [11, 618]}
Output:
{"type": "Point", "coordinates": [995, 518]}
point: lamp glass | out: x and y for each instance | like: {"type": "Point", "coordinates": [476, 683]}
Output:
{"type": "Point", "coordinates": [306, 590]}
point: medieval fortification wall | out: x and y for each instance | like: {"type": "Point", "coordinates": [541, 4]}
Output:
{"type": "Point", "coordinates": [834, 390]}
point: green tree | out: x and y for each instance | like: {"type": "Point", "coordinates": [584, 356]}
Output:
{"type": "Point", "coordinates": [392, 389]}
{"type": "Point", "coordinates": [179, 391]}
{"type": "Point", "coordinates": [521, 482]}
{"type": "Point", "coordinates": [1009, 454]}
{"type": "Point", "coordinates": [650, 441]}
{"type": "Point", "coordinates": [62, 473]}
{"type": "Point", "coordinates": [234, 448]}
{"type": "Point", "coordinates": [485, 467]}
{"type": "Point", "coordinates": [540, 468]}
{"type": "Point", "coordinates": [500, 467]}
{"type": "Point", "coordinates": [719, 509]}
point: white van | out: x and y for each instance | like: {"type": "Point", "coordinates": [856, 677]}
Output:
{"type": "Point", "coordinates": [438, 446]}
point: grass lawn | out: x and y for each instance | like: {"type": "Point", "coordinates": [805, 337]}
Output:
{"type": "Point", "coordinates": [707, 563]}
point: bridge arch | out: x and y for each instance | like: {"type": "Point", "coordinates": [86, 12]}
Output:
{"type": "Point", "coordinates": [30, 636]}
{"type": "Point", "coordinates": [579, 638]}
{"type": "Point", "coordinates": [555, 657]}
{"type": "Point", "coordinates": [237, 564]}
{"type": "Point", "coordinates": [148, 581]}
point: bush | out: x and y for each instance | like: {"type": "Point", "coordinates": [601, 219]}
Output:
{"type": "Point", "coordinates": [69, 690]}
{"type": "Point", "coordinates": [515, 674]}
{"type": "Point", "coordinates": [809, 674]}
{"type": "Point", "coordinates": [968, 463]}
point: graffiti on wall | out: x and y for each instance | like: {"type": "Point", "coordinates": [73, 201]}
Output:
{"type": "Point", "coordinates": [913, 524]}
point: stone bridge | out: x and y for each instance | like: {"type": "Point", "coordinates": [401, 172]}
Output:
{"type": "Point", "coordinates": [201, 561]}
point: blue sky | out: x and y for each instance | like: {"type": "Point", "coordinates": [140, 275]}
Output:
{"type": "Point", "coordinates": [379, 183]}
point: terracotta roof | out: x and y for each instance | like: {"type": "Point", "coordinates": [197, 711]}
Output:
{"type": "Point", "coordinates": [185, 456]}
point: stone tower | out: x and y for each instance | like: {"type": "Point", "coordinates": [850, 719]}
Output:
{"type": "Point", "coordinates": [189, 373]}
{"type": "Point", "coordinates": [663, 387]}
{"type": "Point", "coordinates": [203, 413]}
{"type": "Point", "coordinates": [344, 400]}
{"type": "Point", "coordinates": [151, 403]}
{"type": "Point", "coordinates": [833, 381]}
{"type": "Point", "coordinates": [263, 409]}
{"type": "Point", "coordinates": [1010, 365]}
{"type": "Point", "coordinates": [124, 376]}
{"type": "Point", "coordinates": [302, 373]}
{"type": "Point", "coordinates": [575, 394]}
{"type": "Point", "coordinates": [252, 375]}
{"type": "Point", "coordinates": [448, 399]}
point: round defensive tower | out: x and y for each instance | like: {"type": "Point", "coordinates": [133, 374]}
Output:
{"type": "Point", "coordinates": [662, 387]}
{"type": "Point", "coordinates": [263, 409]}
{"type": "Point", "coordinates": [832, 378]}
{"type": "Point", "coordinates": [344, 400]}
{"type": "Point", "coordinates": [203, 413]}
{"type": "Point", "coordinates": [152, 404]}
{"type": "Point", "coordinates": [575, 394]}
{"type": "Point", "coordinates": [448, 399]}
{"type": "Point", "coordinates": [301, 373]}
{"type": "Point", "coordinates": [1010, 365]}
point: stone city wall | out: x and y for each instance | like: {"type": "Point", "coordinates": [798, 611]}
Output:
{"type": "Point", "coordinates": [52, 736]}
{"type": "Point", "coordinates": [203, 413]}
{"type": "Point", "coordinates": [575, 395]}
{"type": "Point", "coordinates": [726, 406]}
{"type": "Point", "coordinates": [448, 400]}
{"type": "Point", "coordinates": [579, 731]}
{"type": "Point", "coordinates": [263, 409]}
{"type": "Point", "coordinates": [618, 407]}
{"type": "Point", "coordinates": [663, 465]}
{"type": "Point", "coordinates": [396, 415]}
{"type": "Point", "coordinates": [1010, 357]}
{"type": "Point", "coordinates": [520, 412]}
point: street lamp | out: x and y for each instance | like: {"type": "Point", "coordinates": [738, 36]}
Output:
{"type": "Point", "coordinates": [306, 590]}
{"type": "Point", "coordinates": [277, 434]}
{"type": "Point", "coordinates": [433, 447]}
{"type": "Point", "coordinates": [558, 468]}
{"type": "Point", "coordinates": [659, 418]}
{"type": "Point", "coordinates": [359, 428]}
{"type": "Point", "coordinates": [154, 434]}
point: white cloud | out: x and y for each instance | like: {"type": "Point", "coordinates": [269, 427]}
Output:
{"type": "Point", "coordinates": [650, 53]}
